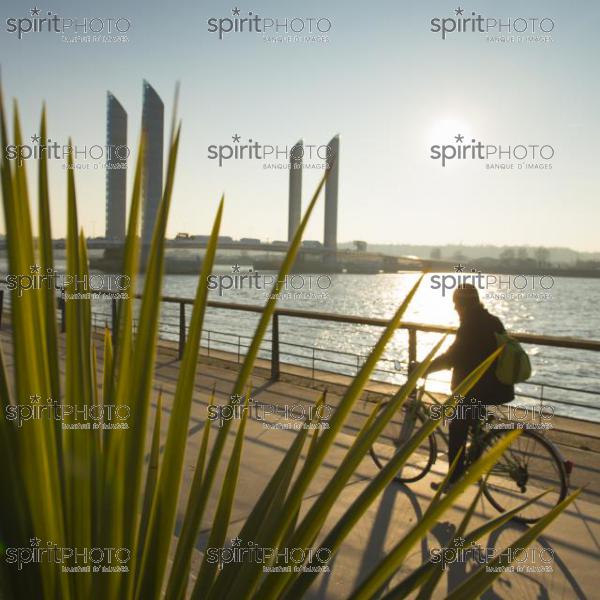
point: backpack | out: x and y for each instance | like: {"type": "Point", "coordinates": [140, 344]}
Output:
{"type": "Point", "coordinates": [513, 365]}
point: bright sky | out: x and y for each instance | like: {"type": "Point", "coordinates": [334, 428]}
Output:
{"type": "Point", "coordinates": [387, 84]}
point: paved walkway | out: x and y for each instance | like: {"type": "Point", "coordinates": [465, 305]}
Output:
{"type": "Point", "coordinates": [574, 537]}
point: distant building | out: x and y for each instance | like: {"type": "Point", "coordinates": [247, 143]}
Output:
{"type": "Point", "coordinates": [116, 175]}
{"type": "Point", "coordinates": [153, 129]}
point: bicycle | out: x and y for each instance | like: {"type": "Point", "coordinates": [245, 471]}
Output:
{"type": "Point", "coordinates": [530, 465]}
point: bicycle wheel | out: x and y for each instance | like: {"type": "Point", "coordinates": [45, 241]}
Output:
{"type": "Point", "coordinates": [530, 465]}
{"type": "Point", "coordinates": [405, 423]}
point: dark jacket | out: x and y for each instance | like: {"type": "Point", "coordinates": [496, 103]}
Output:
{"type": "Point", "coordinates": [475, 341]}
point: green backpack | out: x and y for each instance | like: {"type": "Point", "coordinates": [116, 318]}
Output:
{"type": "Point", "coordinates": [513, 364]}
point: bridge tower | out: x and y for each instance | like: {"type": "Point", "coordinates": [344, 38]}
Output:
{"type": "Point", "coordinates": [331, 195]}
{"type": "Point", "coordinates": [295, 192]}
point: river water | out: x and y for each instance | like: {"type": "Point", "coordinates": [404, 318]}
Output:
{"type": "Point", "coordinates": [558, 306]}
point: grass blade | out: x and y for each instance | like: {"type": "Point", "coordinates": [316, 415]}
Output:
{"type": "Point", "coordinates": [223, 512]}
{"type": "Point", "coordinates": [162, 516]}
{"type": "Point", "coordinates": [382, 573]}
{"type": "Point", "coordinates": [275, 582]}
{"type": "Point", "coordinates": [475, 585]}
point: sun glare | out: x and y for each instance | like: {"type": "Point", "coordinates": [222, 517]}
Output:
{"type": "Point", "coordinates": [443, 131]}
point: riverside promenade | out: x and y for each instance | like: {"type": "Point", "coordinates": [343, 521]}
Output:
{"type": "Point", "coordinates": [574, 538]}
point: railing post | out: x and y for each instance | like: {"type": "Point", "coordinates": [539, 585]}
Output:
{"type": "Point", "coordinates": [275, 348]}
{"type": "Point", "coordinates": [181, 329]}
{"type": "Point", "coordinates": [63, 313]}
{"type": "Point", "coordinates": [208, 342]}
{"type": "Point", "coordinates": [114, 320]}
{"type": "Point", "coordinates": [1, 306]}
{"type": "Point", "coordinates": [412, 348]}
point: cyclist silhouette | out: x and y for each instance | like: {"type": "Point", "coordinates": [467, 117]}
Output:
{"type": "Point", "coordinates": [475, 341]}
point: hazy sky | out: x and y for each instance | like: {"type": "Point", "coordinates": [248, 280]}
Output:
{"type": "Point", "coordinates": [387, 84]}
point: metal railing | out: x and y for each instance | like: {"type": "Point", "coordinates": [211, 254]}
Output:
{"type": "Point", "coordinates": [311, 358]}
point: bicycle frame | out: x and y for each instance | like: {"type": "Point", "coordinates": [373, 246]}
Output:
{"type": "Point", "coordinates": [512, 467]}
{"type": "Point", "coordinates": [477, 440]}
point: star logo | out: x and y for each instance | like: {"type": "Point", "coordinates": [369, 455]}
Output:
{"type": "Point", "coordinates": [35, 268]}
{"type": "Point", "coordinates": [35, 138]}
{"type": "Point", "coordinates": [459, 138]}
{"type": "Point", "coordinates": [236, 399]}
{"type": "Point", "coordinates": [35, 398]}
{"type": "Point", "coordinates": [35, 541]}
{"type": "Point", "coordinates": [459, 11]}
{"type": "Point", "coordinates": [235, 268]}
{"type": "Point", "coordinates": [236, 541]}
{"type": "Point", "coordinates": [236, 12]}
{"type": "Point", "coordinates": [459, 541]}
{"type": "Point", "coordinates": [459, 268]}
{"type": "Point", "coordinates": [35, 11]}
{"type": "Point", "coordinates": [236, 138]}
